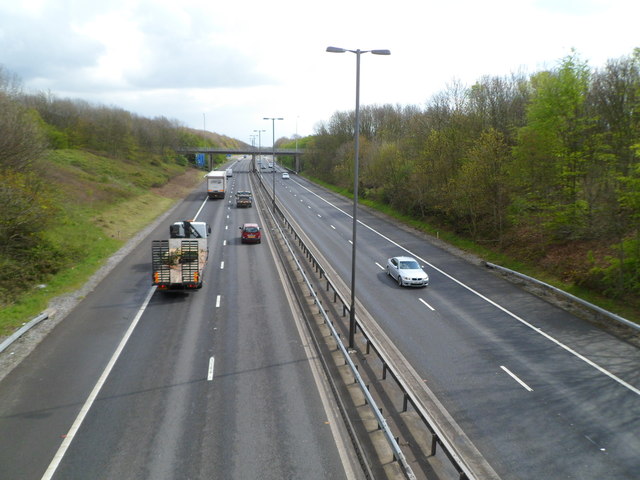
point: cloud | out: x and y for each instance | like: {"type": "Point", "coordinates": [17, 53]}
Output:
{"type": "Point", "coordinates": [238, 62]}
{"type": "Point", "coordinates": [45, 49]}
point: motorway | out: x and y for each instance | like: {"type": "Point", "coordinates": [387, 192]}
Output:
{"type": "Point", "coordinates": [136, 384]}
{"type": "Point", "coordinates": [541, 393]}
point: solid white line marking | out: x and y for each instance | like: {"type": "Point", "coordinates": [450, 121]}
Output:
{"type": "Point", "coordinates": [333, 227]}
{"type": "Point", "coordinates": [51, 470]}
{"type": "Point", "coordinates": [201, 207]}
{"type": "Point", "coordinates": [210, 372]}
{"type": "Point", "coordinates": [500, 307]}
{"type": "Point", "coordinates": [432, 309]}
{"type": "Point", "coordinates": [524, 385]}
{"type": "Point", "coordinates": [218, 301]}
{"type": "Point", "coordinates": [350, 242]}
{"type": "Point", "coordinates": [221, 265]}
{"type": "Point", "coordinates": [381, 267]}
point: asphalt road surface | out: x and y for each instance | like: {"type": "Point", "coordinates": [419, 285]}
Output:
{"type": "Point", "coordinates": [541, 393]}
{"type": "Point", "coordinates": [136, 384]}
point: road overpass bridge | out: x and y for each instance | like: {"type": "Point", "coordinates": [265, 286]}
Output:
{"type": "Point", "coordinates": [253, 151]}
{"type": "Point", "coordinates": [241, 151]}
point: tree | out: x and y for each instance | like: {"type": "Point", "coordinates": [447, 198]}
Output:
{"type": "Point", "coordinates": [553, 147]}
{"type": "Point", "coordinates": [481, 188]}
{"type": "Point", "coordinates": [21, 141]}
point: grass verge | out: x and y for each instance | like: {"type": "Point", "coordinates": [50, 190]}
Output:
{"type": "Point", "coordinates": [97, 232]}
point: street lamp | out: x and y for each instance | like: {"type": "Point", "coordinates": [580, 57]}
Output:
{"type": "Point", "coordinates": [259, 142]}
{"type": "Point", "coordinates": [253, 147]}
{"type": "Point", "coordinates": [273, 146]}
{"type": "Point", "coordinates": [352, 310]}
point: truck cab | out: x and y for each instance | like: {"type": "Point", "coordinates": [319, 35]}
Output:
{"type": "Point", "coordinates": [188, 229]}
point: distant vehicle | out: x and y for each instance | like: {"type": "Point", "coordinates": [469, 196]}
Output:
{"type": "Point", "coordinates": [244, 199]}
{"type": "Point", "coordinates": [216, 184]}
{"type": "Point", "coordinates": [270, 164]}
{"type": "Point", "coordinates": [229, 172]}
{"type": "Point", "coordinates": [250, 233]}
{"type": "Point", "coordinates": [407, 272]}
{"type": "Point", "coordinates": [285, 175]}
{"type": "Point", "coordinates": [177, 263]}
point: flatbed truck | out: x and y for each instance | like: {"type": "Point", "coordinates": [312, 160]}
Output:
{"type": "Point", "coordinates": [178, 262]}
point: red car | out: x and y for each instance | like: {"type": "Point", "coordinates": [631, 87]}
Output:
{"type": "Point", "coordinates": [250, 233]}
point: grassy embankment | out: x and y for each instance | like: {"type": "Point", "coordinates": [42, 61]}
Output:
{"type": "Point", "coordinates": [619, 307]}
{"type": "Point", "coordinates": [104, 202]}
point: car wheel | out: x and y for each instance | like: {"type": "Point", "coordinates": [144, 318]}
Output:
{"type": "Point", "coordinates": [399, 281]}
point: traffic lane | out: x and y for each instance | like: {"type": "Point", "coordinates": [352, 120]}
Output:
{"type": "Point", "coordinates": [442, 266]}
{"type": "Point", "coordinates": [158, 375]}
{"type": "Point", "coordinates": [40, 398]}
{"type": "Point", "coordinates": [145, 423]}
{"type": "Point", "coordinates": [161, 393]}
{"type": "Point", "coordinates": [477, 307]}
{"type": "Point", "coordinates": [270, 405]}
{"type": "Point", "coordinates": [264, 362]}
{"type": "Point", "coordinates": [461, 355]}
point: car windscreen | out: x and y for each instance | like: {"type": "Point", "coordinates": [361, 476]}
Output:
{"type": "Point", "coordinates": [251, 229]}
{"type": "Point", "coordinates": [409, 265]}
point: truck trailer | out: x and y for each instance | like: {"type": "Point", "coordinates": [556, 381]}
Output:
{"type": "Point", "coordinates": [216, 183]}
{"type": "Point", "coordinates": [178, 262]}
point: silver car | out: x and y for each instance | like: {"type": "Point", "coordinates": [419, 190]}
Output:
{"type": "Point", "coordinates": [407, 272]}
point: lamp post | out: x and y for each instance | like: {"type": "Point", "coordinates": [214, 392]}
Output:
{"type": "Point", "coordinates": [273, 146]}
{"type": "Point", "coordinates": [352, 310]}
{"type": "Point", "coordinates": [253, 147]}
{"type": "Point", "coordinates": [259, 142]}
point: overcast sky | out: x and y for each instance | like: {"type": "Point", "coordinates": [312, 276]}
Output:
{"type": "Point", "coordinates": [223, 65]}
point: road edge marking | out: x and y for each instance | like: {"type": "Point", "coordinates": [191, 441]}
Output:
{"type": "Point", "coordinates": [57, 458]}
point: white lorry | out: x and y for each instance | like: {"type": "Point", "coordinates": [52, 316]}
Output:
{"type": "Point", "coordinates": [216, 183]}
{"type": "Point", "coordinates": [178, 262]}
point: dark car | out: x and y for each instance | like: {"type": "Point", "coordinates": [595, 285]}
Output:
{"type": "Point", "coordinates": [244, 199]}
{"type": "Point", "coordinates": [250, 233]}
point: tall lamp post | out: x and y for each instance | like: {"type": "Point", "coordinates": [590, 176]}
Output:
{"type": "Point", "coordinates": [352, 310]}
{"type": "Point", "coordinates": [253, 147]}
{"type": "Point", "coordinates": [273, 159]}
{"type": "Point", "coordinates": [259, 141]}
